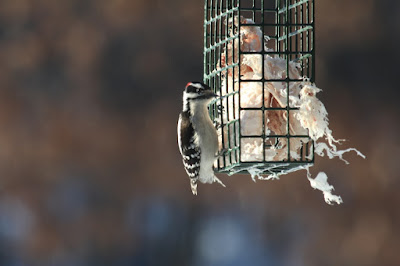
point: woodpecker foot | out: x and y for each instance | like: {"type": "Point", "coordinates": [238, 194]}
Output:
{"type": "Point", "coordinates": [221, 153]}
{"type": "Point", "coordinates": [217, 125]}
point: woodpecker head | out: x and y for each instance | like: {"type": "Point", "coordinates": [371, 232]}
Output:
{"type": "Point", "coordinates": [197, 93]}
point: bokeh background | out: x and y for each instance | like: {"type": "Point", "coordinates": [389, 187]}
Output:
{"type": "Point", "coordinates": [90, 172]}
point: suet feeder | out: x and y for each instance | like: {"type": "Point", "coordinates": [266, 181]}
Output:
{"type": "Point", "coordinates": [258, 55]}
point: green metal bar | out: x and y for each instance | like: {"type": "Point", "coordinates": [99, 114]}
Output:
{"type": "Point", "coordinates": [220, 30]}
{"type": "Point", "coordinates": [254, 9]}
{"type": "Point", "coordinates": [296, 29]}
{"type": "Point", "coordinates": [313, 42]}
{"type": "Point", "coordinates": [313, 64]}
{"type": "Point", "coordinates": [232, 167]}
{"type": "Point", "coordinates": [239, 87]}
{"type": "Point", "coordinates": [272, 80]}
{"type": "Point", "coordinates": [301, 39]}
{"type": "Point", "coordinates": [220, 16]}
{"type": "Point", "coordinates": [303, 57]}
{"type": "Point", "coordinates": [288, 22]}
{"type": "Point", "coordinates": [277, 28]}
{"type": "Point", "coordinates": [278, 167]}
{"type": "Point", "coordinates": [228, 140]}
{"type": "Point", "coordinates": [248, 164]}
{"type": "Point", "coordinates": [232, 122]}
{"type": "Point", "coordinates": [268, 108]}
{"type": "Point", "coordinates": [276, 136]}
{"type": "Point", "coordinates": [275, 24]}
{"type": "Point", "coordinates": [227, 85]}
{"type": "Point", "coordinates": [263, 75]}
{"type": "Point", "coordinates": [283, 10]}
{"type": "Point", "coordinates": [216, 44]}
{"type": "Point", "coordinates": [308, 38]}
{"type": "Point", "coordinates": [205, 65]}
{"type": "Point", "coordinates": [287, 18]}
{"type": "Point", "coordinates": [212, 41]}
{"type": "Point", "coordinates": [224, 96]}
{"type": "Point", "coordinates": [295, 33]}
{"type": "Point", "coordinates": [236, 119]}
{"type": "Point", "coordinates": [229, 151]}
{"type": "Point", "coordinates": [280, 53]}
{"type": "Point", "coordinates": [218, 72]}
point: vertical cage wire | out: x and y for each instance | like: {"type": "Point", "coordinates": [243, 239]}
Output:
{"type": "Point", "coordinates": [289, 25]}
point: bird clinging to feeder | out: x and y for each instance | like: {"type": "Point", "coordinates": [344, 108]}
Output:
{"type": "Point", "coordinates": [197, 136]}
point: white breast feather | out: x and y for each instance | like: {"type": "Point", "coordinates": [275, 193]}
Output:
{"type": "Point", "coordinates": [207, 140]}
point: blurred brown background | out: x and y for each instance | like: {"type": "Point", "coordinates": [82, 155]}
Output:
{"type": "Point", "coordinates": [90, 172]}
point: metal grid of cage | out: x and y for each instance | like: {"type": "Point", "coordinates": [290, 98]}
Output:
{"type": "Point", "coordinates": [287, 34]}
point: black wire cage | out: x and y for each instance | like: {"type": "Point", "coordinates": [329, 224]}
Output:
{"type": "Point", "coordinates": [263, 50]}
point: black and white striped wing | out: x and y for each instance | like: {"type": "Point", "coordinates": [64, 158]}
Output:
{"type": "Point", "coordinates": [189, 150]}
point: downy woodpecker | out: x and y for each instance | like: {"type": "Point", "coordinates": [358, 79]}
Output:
{"type": "Point", "coordinates": [197, 136]}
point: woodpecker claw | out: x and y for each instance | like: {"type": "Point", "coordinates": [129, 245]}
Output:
{"type": "Point", "coordinates": [221, 153]}
{"type": "Point", "coordinates": [217, 125]}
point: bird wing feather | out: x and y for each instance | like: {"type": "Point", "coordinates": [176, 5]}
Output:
{"type": "Point", "coordinates": [190, 152]}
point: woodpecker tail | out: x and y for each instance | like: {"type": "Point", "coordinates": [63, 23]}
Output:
{"type": "Point", "coordinates": [193, 186]}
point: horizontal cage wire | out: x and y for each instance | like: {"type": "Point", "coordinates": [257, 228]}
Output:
{"type": "Point", "coordinates": [257, 53]}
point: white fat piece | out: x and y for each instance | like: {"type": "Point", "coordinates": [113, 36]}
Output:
{"type": "Point", "coordinates": [207, 139]}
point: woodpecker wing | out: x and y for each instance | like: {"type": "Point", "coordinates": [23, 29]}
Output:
{"type": "Point", "coordinates": [187, 146]}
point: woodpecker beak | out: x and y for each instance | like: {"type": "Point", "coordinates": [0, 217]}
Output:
{"type": "Point", "coordinates": [211, 95]}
